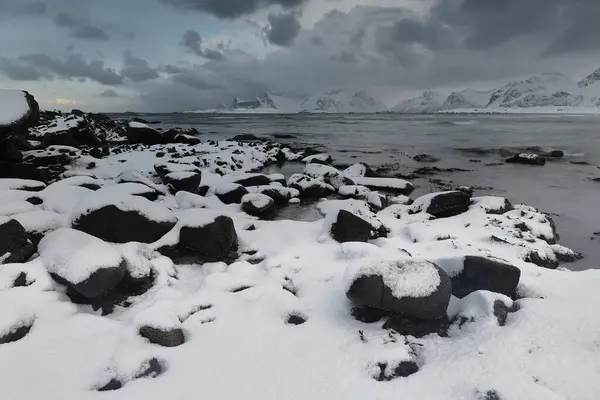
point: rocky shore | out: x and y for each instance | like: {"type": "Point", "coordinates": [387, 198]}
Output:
{"type": "Point", "coordinates": [129, 253]}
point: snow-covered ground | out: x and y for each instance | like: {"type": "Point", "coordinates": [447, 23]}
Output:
{"type": "Point", "coordinates": [13, 106]}
{"type": "Point", "coordinates": [276, 321]}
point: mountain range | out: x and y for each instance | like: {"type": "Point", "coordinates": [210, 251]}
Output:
{"type": "Point", "coordinates": [550, 91]}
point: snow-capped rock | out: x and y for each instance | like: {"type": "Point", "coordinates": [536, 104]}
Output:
{"type": "Point", "coordinates": [467, 98]}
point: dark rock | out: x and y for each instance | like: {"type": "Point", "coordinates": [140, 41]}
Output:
{"type": "Point", "coordinates": [309, 187]}
{"type": "Point", "coordinates": [150, 369]}
{"type": "Point", "coordinates": [21, 254]}
{"type": "Point", "coordinates": [186, 181]}
{"type": "Point", "coordinates": [20, 280]}
{"type": "Point", "coordinates": [17, 333]}
{"type": "Point", "coordinates": [402, 370]}
{"type": "Point", "coordinates": [501, 311]}
{"type": "Point", "coordinates": [426, 158]}
{"type": "Point", "coordinates": [187, 139]}
{"type": "Point", "coordinates": [117, 226]}
{"type": "Point", "coordinates": [210, 243]}
{"type": "Point", "coordinates": [368, 314]}
{"type": "Point", "coordinates": [113, 384]}
{"type": "Point", "coordinates": [491, 395]}
{"type": "Point", "coordinates": [254, 180]}
{"type": "Point", "coordinates": [20, 127]}
{"type": "Point", "coordinates": [99, 284]}
{"type": "Point", "coordinates": [144, 135]}
{"type": "Point", "coordinates": [258, 205]}
{"type": "Point", "coordinates": [140, 120]}
{"type": "Point", "coordinates": [295, 319]}
{"type": "Point", "coordinates": [245, 138]}
{"type": "Point", "coordinates": [416, 327]}
{"type": "Point", "coordinates": [349, 227]}
{"type": "Point", "coordinates": [13, 237]}
{"type": "Point", "coordinates": [480, 273]}
{"type": "Point", "coordinates": [163, 337]}
{"type": "Point", "coordinates": [233, 196]}
{"type": "Point", "coordinates": [556, 154]}
{"type": "Point", "coordinates": [580, 163]}
{"type": "Point", "coordinates": [445, 204]}
{"type": "Point", "coordinates": [527, 159]}
{"type": "Point", "coordinates": [544, 262]}
{"type": "Point", "coordinates": [371, 290]}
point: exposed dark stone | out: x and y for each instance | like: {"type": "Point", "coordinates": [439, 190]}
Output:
{"type": "Point", "coordinates": [491, 395]}
{"type": "Point", "coordinates": [254, 180]}
{"type": "Point", "coordinates": [448, 204]}
{"type": "Point", "coordinates": [111, 224]}
{"type": "Point", "coordinates": [113, 384]}
{"type": "Point", "coordinates": [163, 337]}
{"type": "Point", "coordinates": [416, 327]}
{"type": "Point", "coordinates": [153, 369]}
{"type": "Point", "coordinates": [99, 283]}
{"type": "Point", "coordinates": [216, 241]}
{"type": "Point", "coordinates": [13, 239]}
{"type": "Point", "coordinates": [20, 280]}
{"type": "Point", "coordinates": [545, 262]}
{"type": "Point", "coordinates": [245, 138]}
{"type": "Point", "coordinates": [348, 227]}
{"type": "Point", "coordinates": [189, 183]}
{"type": "Point", "coordinates": [233, 196]}
{"type": "Point", "coordinates": [527, 159]}
{"type": "Point", "coordinates": [252, 209]}
{"type": "Point", "coordinates": [402, 370]}
{"type": "Point", "coordinates": [426, 158]}
{"type": "Point", "coordinates": [368, 314]}
{"type": "Point", "coordinates": [15, 334]}
{"type": "Point", "coordinates": [146, 136]}
{"type": "Point", "coordinates": [480, 273]}
{"type": "Point", "coordinates": [371, 290]}
{"type": "Point", "coordinates": [21, 254]}
{"type": "Point", "coordinates": [295, 319]}
{"type": "Point", "coordinates": [568, 257]}
{"type": "Point", "coordinates": [556, 154]}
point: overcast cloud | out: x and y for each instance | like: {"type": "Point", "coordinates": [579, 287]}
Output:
{"type": "Point", "coordinates": [193, 54]}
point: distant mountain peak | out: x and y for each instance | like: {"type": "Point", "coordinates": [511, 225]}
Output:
{"type": "Point", "coordinates": [590, 79]}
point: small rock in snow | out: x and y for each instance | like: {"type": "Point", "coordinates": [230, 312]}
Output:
{"type": "Point", "coordinates": [171, 337]}
{"type": "Point", "coordinates": [231, 193]}
{"type": "Point", "coordinates": [443, 204]}
{"type": "Point", "coordinates": [257, 204]}
{"type": "Point", "coordinates": [349, 227]}
{"type": "Point", "coordinates": [527, 159]}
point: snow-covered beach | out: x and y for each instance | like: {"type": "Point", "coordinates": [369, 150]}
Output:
{"type": "Point", "coordinates": [145, 263]}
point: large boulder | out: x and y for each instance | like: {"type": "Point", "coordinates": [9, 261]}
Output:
{"type": "Point", "coordinates": [348, 227]}
{"type": "Point", "coordinates": [14, 244]}
{"type": "Point", "coordinates": [327, 174]}
{"type": "Point", "coordinates": [81, 262]}
{"type": "Point", "coordinates": [310, 187]}
{"type": "Point", "coordinates": [18, 112]}
{"type": "Point", "coordinates": [122, 218]}
{"type": "Point", "coordinates": [418, 289]}
{"type": "Point", "coordinates": [230, 193]}
{"type": "Point", "coordinates": [252, 180]}
{"type": "Point", "coordinates": [472, 273]}
{"type": "Point", "coordinates": [443, 204]}
{"type": "Point", "coordinates": [204, 236]}
{"type": "Point", "coordinates": [257, 204]}
{"type": "Point", "coordinates": [527, 159]}
{"type": "Point", "coordinates": [184, 180]}
{"type": "Point", "coordinates": [360, 170]}
{"type": "Point", "coordinates": [138, 133]}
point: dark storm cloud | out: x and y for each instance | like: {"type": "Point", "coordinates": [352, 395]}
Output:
{"type": "Point", "coordinates": [74, 66]}
{"type": "Point", "coordinates": [35, 8]}
{"type": "Point", "coordinates": [109, 93]}
{"type": "Point", "coordinates": [232, 8]}
{"type": "Point", "coordinates": [283, 28]}
{"type": "Point", "coordinates": [137, 69]}
{"type": "Point", "coordinates": [317, 40]}
{"type": "Point", "coordinates": [565, 25]}
{"type": "Point", "coordinates": [81, 28]}
{"type": "Point", "coordinates": [192, 41]}
{"type": "Point", "coordinates": [19, 72]}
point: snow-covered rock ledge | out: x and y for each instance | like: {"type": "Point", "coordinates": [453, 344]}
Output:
{"type": "Point", "coordinates": [163, 270]}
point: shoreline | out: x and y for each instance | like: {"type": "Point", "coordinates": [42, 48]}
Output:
{"type": "Point", "coordinates": [152, 260]}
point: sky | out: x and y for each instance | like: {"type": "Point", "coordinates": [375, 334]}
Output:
{"type": "Point", "coordinates": [178, 55]}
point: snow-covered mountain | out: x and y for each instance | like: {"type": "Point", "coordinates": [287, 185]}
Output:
{"type": "Point", "coordinates": [428, 102]}
{"type": "Point", "coordinates": [547, 91]}
{"type": "Point", "coordinates": [467, 98]}
{"type": "Point", "coordinates": [342, 101]}
{"type": "Point", "coordinates": [338, 101]}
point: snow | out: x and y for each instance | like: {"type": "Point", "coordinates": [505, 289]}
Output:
{"type": "Point", "coordinates": [428, 102]}
{"type": "Point", "coordinates": [60, 124]}
{"type": "Point", "coordinates": [226, 187]}
{"type": "Point", "coordinates": [356, 170]}
{"type": "Point", "coordinates": [137, 258]}
{"type": "Point", "coordinates": [383, 183]}
{"type": "Point", "coordinates": [258, 200]}
{"type": "Point", "coordinates": [99, 199]}
{"type": "Point", "coordinates": [422, 203]}
{"type": "Point", "coordinates": [404, 278]}
{"type": "Point", "coordinates": [75, 255]}
{"type": "Point", "coordinates": [41, 221]}
{"type": "Point", "coordinates": [353, 190]}
{"type": "Point", "coordinates": [22, 184]}
{"type": "Point", "coordinates": [320, 157]}
{"type": "Point", "coordinates": [138, 125]}
{"type": "Point", "coordinates": [13, 106]}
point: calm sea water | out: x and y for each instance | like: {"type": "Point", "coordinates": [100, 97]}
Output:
{"type": "Point", "coordinates": [560, 188]}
